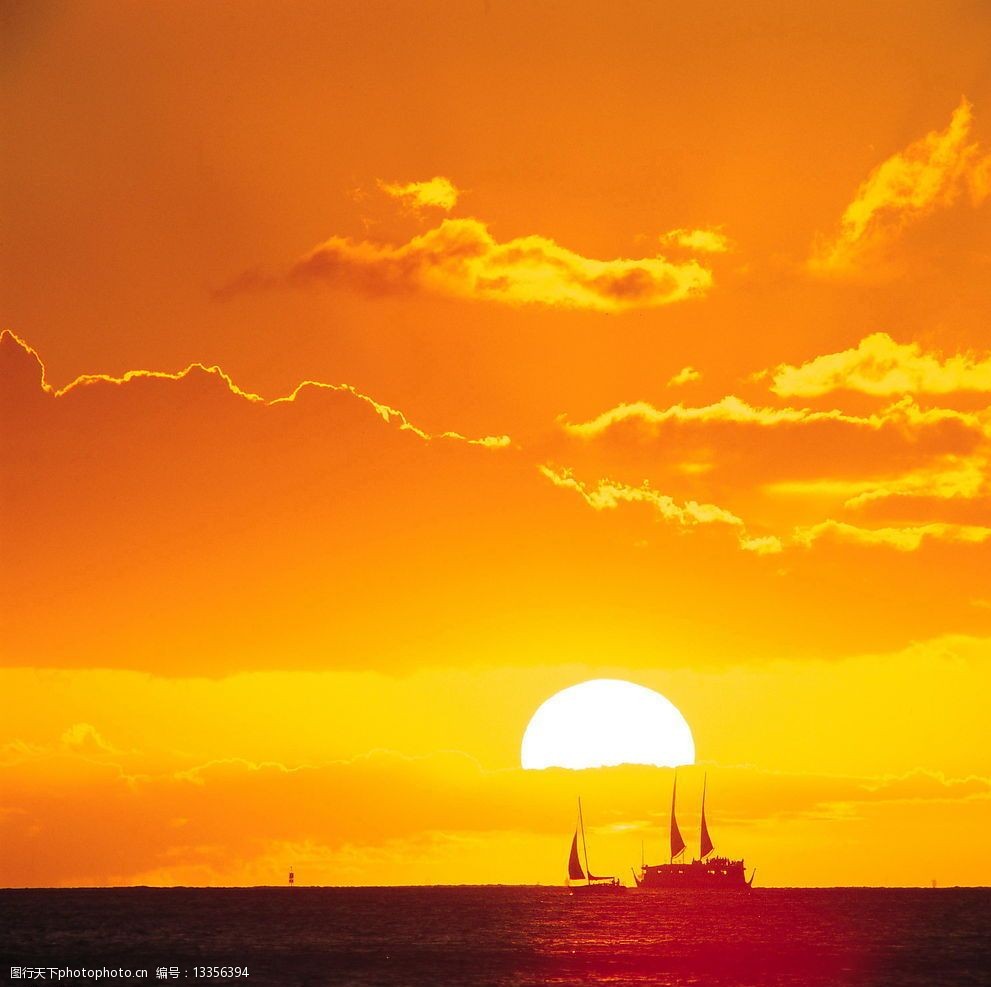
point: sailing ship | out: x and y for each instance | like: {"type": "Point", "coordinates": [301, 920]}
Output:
{"type": "Point", "coordinates": [707, 872]}
{"type": "Point", "coordinates": [593, 884]}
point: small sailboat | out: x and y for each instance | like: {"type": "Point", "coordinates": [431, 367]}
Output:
{"type": "Point", "coordinates": [592, 883]}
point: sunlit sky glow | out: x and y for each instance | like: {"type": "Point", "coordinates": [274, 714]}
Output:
{"type": "Point", "coordinates": [373, 372]}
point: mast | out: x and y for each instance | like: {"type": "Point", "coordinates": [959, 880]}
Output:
{"type": "Point", "coordinates": [581, 823]}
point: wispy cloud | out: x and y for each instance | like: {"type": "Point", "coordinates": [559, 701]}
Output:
{"type": "Point", "coordinates": [436, 193]}
{"type": "Point", "coordinates": [908, 538]}
{"type": "Point", "coordinates": [608, 494]}
{"type": "Point", "coordinates": [732, 409]}
{"type": "Point", "coordinates": [686, 375]}
{"type": "Point", "coordinates": [460, 258]}
{"type": "Point", "coordinates": [388, 414]}
{"type": "Point", "coordinates": [904, 451]}
{"type": "Point", "coordinates": [949, 477]}
{"type": "Point", "coordinates": [700, 241]}
{"type": "Point", "coordinates": [928, 175]}
{"type": "Point", "coordinates": [880, 365]}
{"type": "Point", "coordinates": [84, 736]}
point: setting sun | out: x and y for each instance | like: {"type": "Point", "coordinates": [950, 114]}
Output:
{"type": "Point", "coordinates": [607, 722]}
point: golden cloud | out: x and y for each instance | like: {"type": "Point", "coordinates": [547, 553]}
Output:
{"type": "Point", "coordinates": [881, 366]}
{"type": "Point", "coordinates": [437, 193]}
{"type": "Point", "coordinates": [950, 477]}
{"type": "Point", "coordinates": [928, 175]}
{"type": "Point", "coordinates": [84, 735]}
{"type": "Point", "coordinates": [700, 241]}
{"type": "Point", "coordinates": [687, 375]}
{"type": "Point", "coordinates": [607, 495]}
{"type": "Point", "coordinates": [387, 414]}
{"type": "Point", "coordinates": [460, 258]}
{"type": "Point", "coordinates": [966, 482]}
{"type": "Point", "coordinates": [761, 544]}
{"type": "Point", "coordinates": [903, 451]}
{"type": "Point", "coordinates": [732, 409]}
{"type": "Point", "coordinates": [727, 409]}
{"type": "Point", "coordinates": [905, 539]}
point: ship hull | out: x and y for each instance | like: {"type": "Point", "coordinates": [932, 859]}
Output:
{"type": "Point", "coordinates": [719, 875]}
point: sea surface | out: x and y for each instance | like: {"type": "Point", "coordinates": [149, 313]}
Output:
{"type": "Point", "coordinates": [404, 937]}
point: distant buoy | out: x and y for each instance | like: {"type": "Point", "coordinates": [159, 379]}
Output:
{"type": "Point", "coordinates": [292, 877]}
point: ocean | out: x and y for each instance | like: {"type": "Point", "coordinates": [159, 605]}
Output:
{"type": "Point", "coordinates": [404, 937]}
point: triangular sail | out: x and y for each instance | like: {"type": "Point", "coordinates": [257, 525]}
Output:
{"type": "Point", "coordinates": [575, 872]}
{"type": "Point", "coordinates": [705, 843]}
{"type": "Point", "coordinates": [677, 843]}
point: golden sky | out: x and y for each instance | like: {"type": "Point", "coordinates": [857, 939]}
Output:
{"type": "Point", "coordinates": [372, 371]}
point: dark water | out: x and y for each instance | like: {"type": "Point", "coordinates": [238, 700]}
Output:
{"type": "Point", "coordinates": [459, 936]}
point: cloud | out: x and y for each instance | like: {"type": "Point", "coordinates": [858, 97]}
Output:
{"type": "Point", "coordinates": [762, 544]}
{"type": "Point", "coordinates": [879, 365]}
{"type": "Point", "coordinates": [460, 258]}
{"type": "Point", "coordinates": [904, 539]}
{"type": "Point", "coordinates": [700, 241]}
{"type": "Point", "coordinates": [727, 409]}
{"type": "Point", "coordinates": [928, 175]}
{"type": "Point", "coordinates": [82, 736]}
{"type": "Point", "coordinates": [732, 409]}
{"type": "Point", "coordinates": [607, 495]}
{"type": "Point", "coordinates": [950, 477]}
{"type": "Point", "coordinates": [919, 456]}
{"type": "Point", "coordinates": [437, 193]}
{"type": "Point", "coordinates": [387, 414]}
{"type": "Point", "coordinates": [686, 375]}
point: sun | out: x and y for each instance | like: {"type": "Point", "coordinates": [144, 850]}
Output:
{"type": "Point", "coordinates": [604, 722]}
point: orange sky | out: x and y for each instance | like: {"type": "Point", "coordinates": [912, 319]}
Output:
{"type": "Point", "coordinates": [370, 372]}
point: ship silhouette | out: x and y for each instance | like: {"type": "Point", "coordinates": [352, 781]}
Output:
{"type": "Point", "coordinates": [592, 883]}
{"type": "Point", "coordinates": [705, 873]}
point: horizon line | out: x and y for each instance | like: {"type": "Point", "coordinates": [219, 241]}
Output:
{"type": "Point", "coordinates": [399, 887]}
